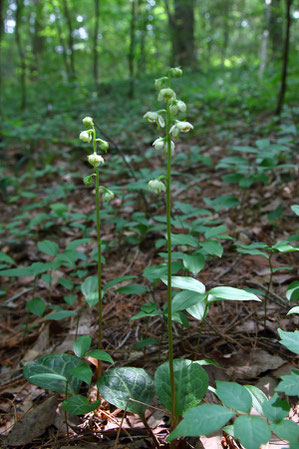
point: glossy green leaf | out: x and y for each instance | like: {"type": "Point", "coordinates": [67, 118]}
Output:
{"type": "Point", "coordinates": [79, 405]}
{"type": "Point", "coordinates": [276, 409]}
{"type": "Point", "coordinates": [82, 372]}
{"type": "Point", "coordinates": [185, 299]}
{"type": "Point", "coordinates": [66, 283]}
{"type": "Point", "coordinates": [215, 231]}
{"type": "Point", "coordinates": [258, 398]}
{"type": "Point", "coordinates": [234, 395]}
{"type": "Point", "coordinates": [231, 293]}
{"type": "Point", "coordinates": [183, 239]}
{"type": "Point", "coordinates": [118, 385]}
{"type": "Point", "coordinates": [100, 355]}
{"type": "Point", "coordinates": [289, 384]}
{"type": "Point", "coordinates": [295, 209]}
{"type": "Point", "coordinates": [133, 289]}
{"type": "Point", "coordinates": [48, 247]}
{"type": "Point", "coordinates": [198, 310]}
{"type": "Point", "coordinates": [36, 306]}
{"type": "Point", "coordinates": [287, 430]}
{"type": "Point", "coordinates": [252, 431]}
{"type": "Point", "coordinates": [81, 345]}
{"type": "Point", "coordinates": [212, 247]}
{"type": "Point", "coordinates": [293, 291]}
{"type": "Point", "coordinates": [191, 384]}
{"type": "Point", "coordinates": [57, 364]}
{"type": "Point", "coordinates": [290, 340]}
{"type": "Point", "coordinates": [194, 262]}
{"type": "Point", "coordinates": [202, 420]}
{"type": "Point", "coordinates": [60, 315]}
{"type": "Point", "coordinates": [293, 310]}
{"type": "Point", "coordinates": [185, 283]}
{"type": "Point", "coordinates": [89, 288]}
{"type": "Point", "coordinates": [17, 272]}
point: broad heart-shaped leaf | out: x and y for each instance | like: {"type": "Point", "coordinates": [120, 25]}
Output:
{"type": "Point", "coordinates": [287, 430]}
{"type": "Point", "coordinates": [118, 385]}
{"type": "Point", "coordinates": [234, 395]}
{"type": "Point", "coordinates": [79, 405]}
{"type": "Point", "coordinates": [252, 431]}
{"type": "Point", "coordinates": [276, 408]}
{"type": "Point", "coordinates": [185, 283]}
{"type": "Point", "coordinates": [82, 372]}
{"type": "Point", "coordinates": [36, 306]}
{"type": "Point", "coordinates": [60, 364]}
{"type": "Point", "coordinates": [89, 288]}
{"type": "Point", "coordinates": [231, 293]}
{"type": "Point", "coordinates": [202, 420]}
{"type": "Point", "coordinates": [289, 384]}
{"type": "Point", "coordinates": [81, 345]}
{"type": "Point", "coordinates": [194, 262]}
{"type": "Point", "coordinates": [290, 340]}
{"type": "Point", "coordinates": [258, 398]}
{"type": "Point", "coordinates": [100, 355]}
{"type": "Point", "coordinates": [48, 247]}
{"type": "Point", "coordinates": [185, 299]}
{"type": "Point", "coordinates": [191, 383]}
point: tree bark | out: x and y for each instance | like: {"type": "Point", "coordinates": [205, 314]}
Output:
{"type": "Point", "coordinates": [131, 54]}
{"type": "Point", "coordinates": [95, 44]}
{"type": "Point", "coordinates": [265, 41]}
{"type": "Point", "coordinates": [70, 39]}
{"type": "Point", "coordinates": [19, 9]}
{"type": "Point", "coordinates": [283, 85]}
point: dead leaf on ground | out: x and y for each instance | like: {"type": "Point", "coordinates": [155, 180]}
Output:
{"type": "Point", "coordinates": [34, 423]}
{"type": "Point", "coordinates": [246, 366]}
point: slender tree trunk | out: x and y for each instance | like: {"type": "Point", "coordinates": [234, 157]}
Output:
{"type": "Point", "coordinates": [19, 9]}
{"type": "Point", "coordinates": [143, 31]}
{"type": "Point", "coordinates": [95, 43]}
{"type": "Point", "coordinates": [131, 54]}
{"type": "Point", "coordinates": [283, 85]}
{"type": "Point", "coordinates": [265, 41]}
{"type": "Point", "coordinates": [37, 38]}
{"type": "Point", "coordinates": [172, 33]}
{"type": "Point", "coordinates": [61, 42]}
{"type": "Point", "coordinates": [70, 38]}
{"type": "Point", "coordinates": [275, 28]}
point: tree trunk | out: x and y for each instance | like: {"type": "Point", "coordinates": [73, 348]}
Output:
{"type": "Point", "coordinates": [19, 9]}
{"type": "Point", "coordinates": [95, 44]}
{"type": "Point", "coordinates": [70, 39]}
{"type": "Point", "coordinates": [131, 54]}
{"type": "Point", "coordinates": [37, 38]}
{"type": "Point", "coordinates": [61, 42]}
{"type": "Point", "coordinates": [275, 29]}
{"type": "Point", "coordinates": [181, 25]}
{"type": "Point", "coordinates": [283, 85]}
{"type": "Point", "coordinates": [265, 41]}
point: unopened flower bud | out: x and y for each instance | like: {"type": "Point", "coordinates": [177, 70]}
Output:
{"type": "Point", "coordinates": [95, 159]}
{"type": "Point", "coordinates": [88, 180]}
{"type": "Point", "coordinates": [88, 122]}
{"type": "Point", "coordinates": [103, 144]}
{"type": "Point", "coordinates": [85, 136]}
{"type": "Point", "coordinates": [156, 186]}
{"type": "Point", "coordinates": [166, 94]}
{"type": "Point", "coordinates": [161, 82]}
{"type": "Point", "coordinates": [176, 72]}
{"type": "Point", "coordinates": [108, 195]}
{"type": "Point", "coordinates": [173, 107]}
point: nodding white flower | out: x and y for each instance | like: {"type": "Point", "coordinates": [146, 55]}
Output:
{"type": "Point", "coordinates": [176, 72]}
{"type": "Point", "coordinates": [108, 195]}
{"type": "Point", "coordinates": [177, 106]}
{"type": "Point", "coordinates": [103, 144]}
{"type": "Point", "coordinates": [156, 186]}
{"type": "Point", "coordinates": [181, 106]}
{"type": "Point", "coordinates": [85, 136]}
{"type": "Point", "coordinates": [95, 160]}
{"type": "Point", "coordinates": [166, 94]}
{"type": "Point", "coordinates": [161, 82]}
{"type": "Point", "coordinates": [155, 117]}
{"type": "Point", "coordinates": [88, 122]}
{"type": "Point", "coordinates": [161, 144]}
{"type": "Point", "coordinates": [180, 127]}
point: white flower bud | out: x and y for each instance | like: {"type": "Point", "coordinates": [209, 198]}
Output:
{"type": "Point", "coordinates": [103, 144]}
{"type": "Point", "coordinates": [181, 106]}
{"type": "Point", "coordinates": [180, 127]}
{"type": "Point", "coordinates": [159, 143]}
{"type": "Point", "coordinates": [88, 122]}
{"type": "Point", "coordinates": [156, 186]}
{"type": "Point", "coordinates": [176, 72]}
{"type": "Point", "coordinates": [154, 117]}
{"type": "Point", "coordinates": [95, 159]}
{"type": "Point", "coordinates": [161, 82]}
{"type": "Point", "coordinates": [166, 94]}
{"type": "Point", "coordinates": [108, 195]}
{"type": "Point", "coordinates": [85, 136]}
{"type": "Point", "coordinates": [173, 107]}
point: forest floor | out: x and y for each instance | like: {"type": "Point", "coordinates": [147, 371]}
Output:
{"type": "Point", "coordinates": [241, 337]}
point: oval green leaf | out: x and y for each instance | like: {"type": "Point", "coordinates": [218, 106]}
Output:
{"type": "Point", "coordinates": [252, 431]}
{"type": "Point", "coordinates": [79, 405]}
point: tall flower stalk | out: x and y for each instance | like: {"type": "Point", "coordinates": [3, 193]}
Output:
{"type": "Point", "coordinates": [96, 160]}
{"type": "Point", "coordinates": [172, 128]}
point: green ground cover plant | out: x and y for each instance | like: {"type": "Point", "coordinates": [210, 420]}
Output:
{"type": "Point", "coordinates": [181, 384]}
